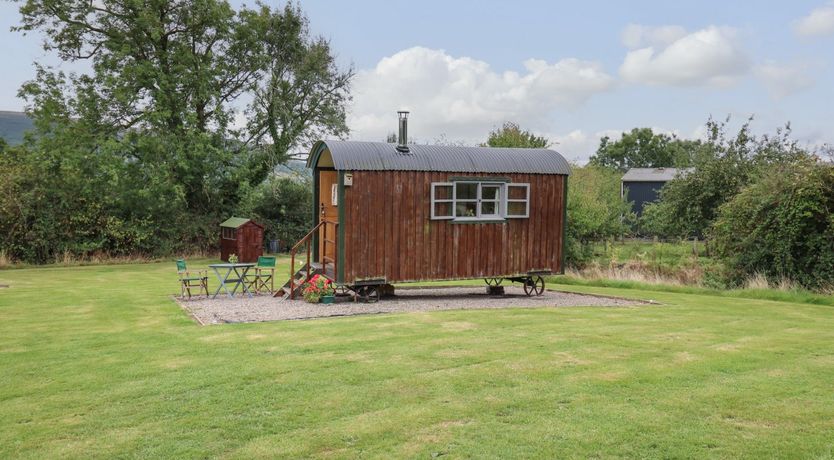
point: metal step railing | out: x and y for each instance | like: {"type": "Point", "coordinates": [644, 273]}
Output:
{"type": "Point", "coordinates": [309, 268]}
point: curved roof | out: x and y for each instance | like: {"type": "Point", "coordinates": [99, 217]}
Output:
{"type": "Point", "coordinates": [654, 174]}
{"type": "Point", "coordinates": [381, 156]}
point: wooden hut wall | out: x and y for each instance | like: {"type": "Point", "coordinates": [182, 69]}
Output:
{"type": "Point", "coordinates": [389, 232]}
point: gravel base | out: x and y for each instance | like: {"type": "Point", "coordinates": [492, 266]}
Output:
{"type": "Point", "coordinates": [267, 308]}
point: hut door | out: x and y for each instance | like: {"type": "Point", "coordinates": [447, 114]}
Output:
{"type": "Point", "coordinates": [328, 212]}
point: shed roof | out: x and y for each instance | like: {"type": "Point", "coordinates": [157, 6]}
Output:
{"type": "Point", "coordinates": [382, 156]}
{"type": "Point", "coordinates": [653, 174]}
{"type": "Point", "coordinates": [234, 222]}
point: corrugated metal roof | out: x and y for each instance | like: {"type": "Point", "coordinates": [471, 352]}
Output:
{"type": "Point", "coordinates": [653, 174]}
{"type": "Point", "coordinates": [234, 222]}
{"type": "Point", "coordinates": [381, 156]}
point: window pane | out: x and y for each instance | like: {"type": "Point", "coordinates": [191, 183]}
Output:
{"type": "Point", "coordinates": [490, 192]}
{"type": "Point", "coordinates": [443, 192]}
{"type": "Point", "coordinates": [489, 208]}
{"type": "Point", "coordinates": [466, 209]}
{"type": "Point", "coordinates": [443, 210]}
{"type": "Point", "coordinates": [516, 208]}
{"type": "Point", "coordinates": [516, 192]}
{"type": "Point", "coordinates": [467, 191]}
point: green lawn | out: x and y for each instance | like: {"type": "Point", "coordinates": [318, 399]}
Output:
{"type": "Point", "coordinates": [103, 364]}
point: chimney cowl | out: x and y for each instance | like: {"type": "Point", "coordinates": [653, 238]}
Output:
{"type": "Point", "coordinates": [402, 138]}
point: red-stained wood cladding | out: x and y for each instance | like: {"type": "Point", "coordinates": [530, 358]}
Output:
{"type": "Point", "coordinates": [389, 233]}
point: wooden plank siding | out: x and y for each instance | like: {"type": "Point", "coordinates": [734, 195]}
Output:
{"type": "Point", "coordinates": [389, 233]}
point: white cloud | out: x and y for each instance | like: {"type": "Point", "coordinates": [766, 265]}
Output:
{"type": "Point", "coordinates": [463, 98]}
{"type": "Point", "coordinates": [783, 80]}
{"type": "Point", "coordinates": [710, 56]}
{"type": "Point", "coordinates": [819, 22]}
{"type": "Point", "coordinates": [576, 146]}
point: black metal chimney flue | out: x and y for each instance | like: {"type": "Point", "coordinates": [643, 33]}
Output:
{"type": "Point", "coordinates": [402, 139]}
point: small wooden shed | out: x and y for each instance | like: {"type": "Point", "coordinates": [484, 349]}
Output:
{"type": "Point", "coordinates": [243, 237]}
{"type": "Point", "coordinates": [388, 213]}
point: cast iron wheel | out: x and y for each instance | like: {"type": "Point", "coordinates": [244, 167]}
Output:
{"type": "Point", "coordinates": [494, 281]}
{"type": "Point", "coordinates": [534, 285]}
{"type": "Point", "coordinates": [368, 294]}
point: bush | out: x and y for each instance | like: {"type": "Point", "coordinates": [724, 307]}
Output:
{"type": "Point", "coordinates": [781, 226]}
{"type": "Point", "coordinates": [595, 211]}
{"type": "Point", "coordinates": [283, 205]}
{"type": "Point", "coordinates": [723, 166]}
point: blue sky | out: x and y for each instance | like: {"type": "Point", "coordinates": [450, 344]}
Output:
{"type": "Point", "coordinates": [572, 71]}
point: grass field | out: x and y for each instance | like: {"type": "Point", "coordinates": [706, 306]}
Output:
{"type": "Point", "coordinates": [98, 362]}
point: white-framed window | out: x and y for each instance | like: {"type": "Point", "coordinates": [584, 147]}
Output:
{"type": "Point", "coordinates": [518, 201]}
{"type": "Point", "coordinates": [442, 200]}
{"type": "Point", "coordinates": [489, 206]}
{"type": "Point", "coordinates": [472, 200]}
{"type": "Point", "coordinates": [466, 200]}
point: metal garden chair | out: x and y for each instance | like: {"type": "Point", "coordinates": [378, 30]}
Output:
{"type": "Point", "coordinates": [264, 276]}
{"type": "Point", "coordinates": [189, 280]}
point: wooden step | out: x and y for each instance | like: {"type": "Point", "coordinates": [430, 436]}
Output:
{"type": "Point", "coordinates": [298, 279]}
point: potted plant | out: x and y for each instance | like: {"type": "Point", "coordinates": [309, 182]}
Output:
{"type": "Point", "coordinates": [233, 258]}
{"type": "Point", "coordinates": [328, 292]}
{"type": "Point", "coordinates": [319, 289]}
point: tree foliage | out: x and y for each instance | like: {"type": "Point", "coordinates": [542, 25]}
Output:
{"type": "Point", "coordinates": [172, 65]}
{"type": "Point", "coordinates": [595, 210]}
{"type": "Point", "coordinates": [284, 205]}
{"type": "Point", "coordinates": [643, 148]}
{"type": "Point", "coordinates": [511, 135]}
{"type": "Point", "coordinates": [781, 226]}
{"type": "Point", "coordinates": [139, 155]}
{"type": "Point", "coordinates": [303, 93]}
{"type": "Point", "coordinates": [722, 167]}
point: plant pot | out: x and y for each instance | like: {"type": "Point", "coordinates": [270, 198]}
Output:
{"type": "Point", "coordinates": [328, 298]}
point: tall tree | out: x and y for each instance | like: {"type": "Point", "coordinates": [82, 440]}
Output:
{"type": "Point", "coordinates": [643, 148]}
{"type": "Point", "coordinates": [138, 154]}
{"type": "Point", "coordinates": [303, 92]}
{"type": "Point", "coordinates": [511, 135]}
{"type": "Point", "coordinates": [164, 64]}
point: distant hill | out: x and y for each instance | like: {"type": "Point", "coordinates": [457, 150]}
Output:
{"type": "Point", "coordinates": [293, 168]}
{"type": "Point", "coordinates": [13, 125]}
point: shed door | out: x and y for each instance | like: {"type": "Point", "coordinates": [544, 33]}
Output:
{"type": "Point", "coordinates": [328, 212]}
{"type": "Point", "coordinates": [254, 242]}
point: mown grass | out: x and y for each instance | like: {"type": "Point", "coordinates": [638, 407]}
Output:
{"type": "Point", "coordinates": [98, 362]}
{"type": "Point", "coordinates": [796, 295]}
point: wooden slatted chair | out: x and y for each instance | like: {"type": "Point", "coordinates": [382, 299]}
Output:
{"type": "Point", "coordinates": [264, 276]}
{"type": "Point", "coordinates": [189, 280]}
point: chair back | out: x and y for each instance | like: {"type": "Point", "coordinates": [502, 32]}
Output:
{"type": "Point", "coordinates": [181, 266]}
{"type": "Point", "coordinates": [266, 261]}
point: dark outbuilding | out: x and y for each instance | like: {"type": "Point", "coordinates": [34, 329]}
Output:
{"type": "Point", "coordinates": [642, 185]}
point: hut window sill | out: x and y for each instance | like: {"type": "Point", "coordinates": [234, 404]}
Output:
{"type": "Point", "coordinates": [478, 221]}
